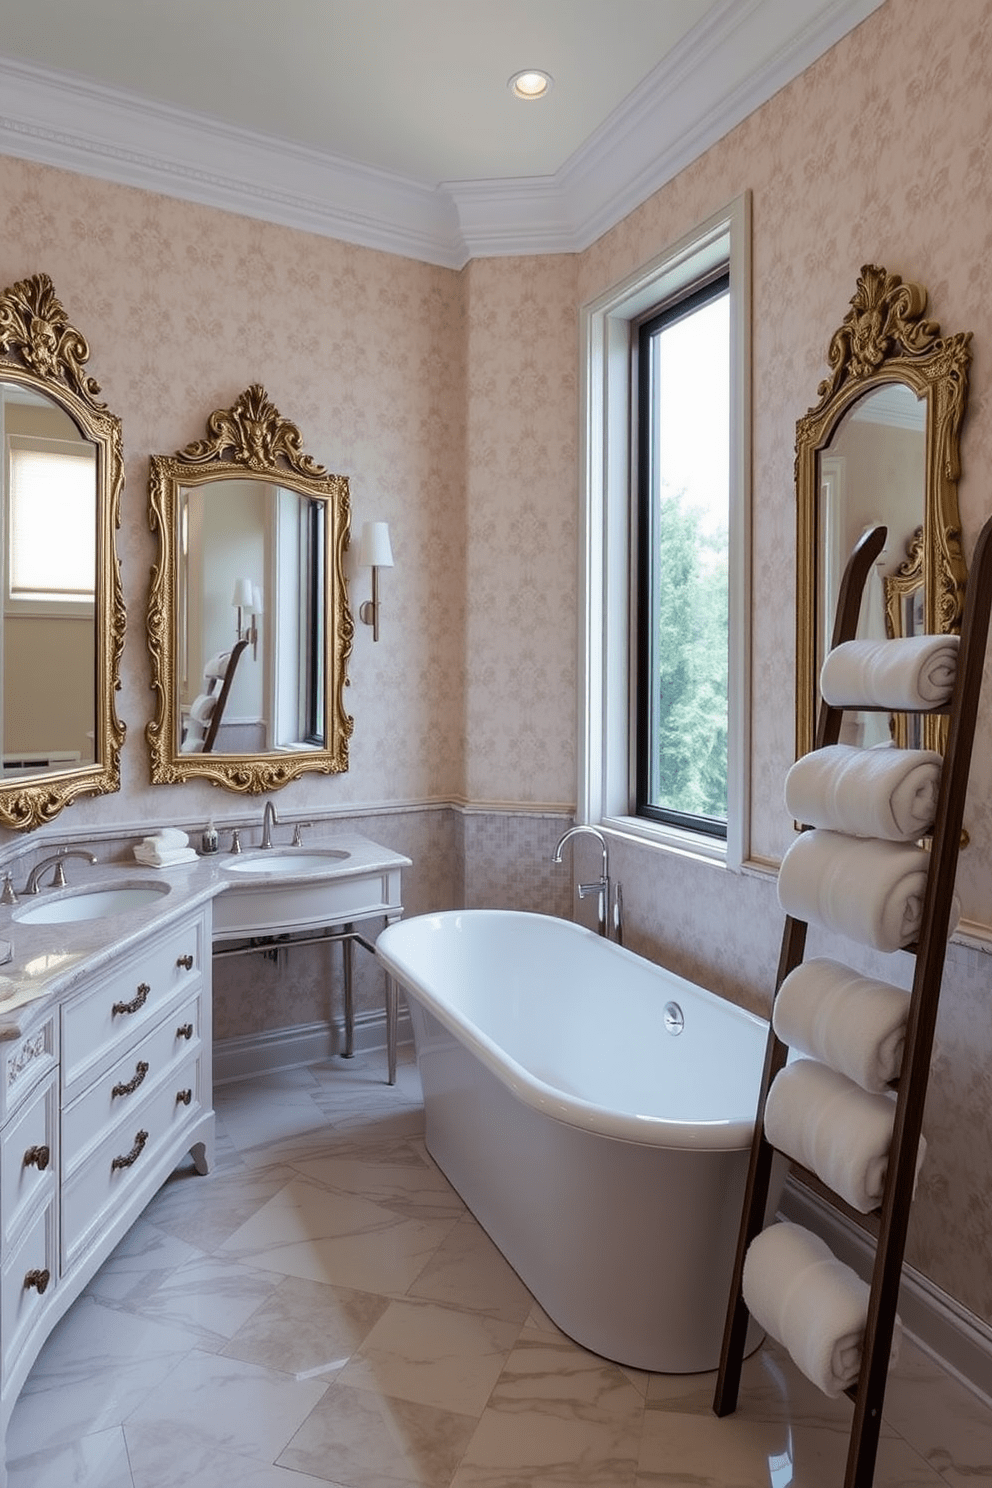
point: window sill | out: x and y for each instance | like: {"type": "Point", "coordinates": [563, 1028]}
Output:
{"type": "Point", "coordinates": [669, 839]}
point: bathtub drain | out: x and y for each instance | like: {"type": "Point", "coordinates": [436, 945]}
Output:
{"type": "Point", "coordinates": [674, 1019]}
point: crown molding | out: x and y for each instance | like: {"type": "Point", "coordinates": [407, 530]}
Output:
{"type": "Point", "coordinates": [726, 67]}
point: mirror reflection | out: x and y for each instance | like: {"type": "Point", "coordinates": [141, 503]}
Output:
{"type": "Point", "coordinates": [62, 615]}
{"type": "Point", "coordinates": [248, 624]}
{"type": "Point", "coordinates": [250, 618]}
{"type": "Point", "coordinates": [49, 586]}
{"type": "Point", "coordinates": [872, 473]}
{"type": "Point", "coordinates": [881, 446]}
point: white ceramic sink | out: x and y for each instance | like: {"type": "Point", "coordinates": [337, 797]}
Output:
{"type": "Point", "coordinates": [90, 904]}
{"type": "Point", "coordinates": [287, 860]}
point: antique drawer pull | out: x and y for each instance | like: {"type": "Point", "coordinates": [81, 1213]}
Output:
{"type": "Point", "coordinates": [185, 1030]}
{"type": "Point", "coordinates": [38, 1279]}
{"type": "Point", "coordinates": [37, 1157]}
{"type": "Point", "coordinates": [140, 1071]}
{"type": "Point", "coordinates": [183, 1097]}
{"type": "Point", "coordinates": [138, 1001]}
{"type": "Point", "coordinates": [186, 962]}
{"type": "Point", "coordinates": [133, 1155]}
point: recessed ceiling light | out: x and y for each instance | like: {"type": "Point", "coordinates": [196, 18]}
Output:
{"type": "Point", "coordinates": [530, 84]}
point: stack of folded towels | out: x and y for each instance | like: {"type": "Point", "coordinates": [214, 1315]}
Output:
{"type": "Point", "coordinates": [857, 872]}
{"type": "Point", "coordinates": [165, 848]}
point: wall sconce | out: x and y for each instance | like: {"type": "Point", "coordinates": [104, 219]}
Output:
{"type": "Point", "coordinates": [247, 600]}
{"type": "Point", "coordinates": [374, 552]}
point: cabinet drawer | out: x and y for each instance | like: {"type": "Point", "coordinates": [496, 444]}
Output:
{"type": "Point", "coordinates": [26, 1060]}
{"type": "Point", "coordinates": [98, 1026]}
{"type": "Point", "coordinates": [123, 1087]}
{"type": "Point", "coordinates": [127, 1155]}
{"type": "Point", "coordinates": [29, 1157]}
{"type": "Point", "coordinates": [27, 1283]}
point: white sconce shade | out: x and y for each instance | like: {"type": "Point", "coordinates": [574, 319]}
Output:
{"type": "Point", "coordinates": [242, 596]}
{"type": "Point", "coordinates": [256, 600]}
{"type": "Point", "coordinates": [374, 552]}
{"type": "Point", "coordinates": [374, 548]}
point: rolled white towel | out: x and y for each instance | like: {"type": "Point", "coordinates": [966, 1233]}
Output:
{"type": "Point", "coordinates": [217, 665]}
{"type": "Point", "coordinates": [842, 1133]}
{"type": "Point", "coordinates": [813, 1304]}
{"type": "Point", "coordinates": [192, 744]}
{"type": "Point", "coordinates": [167, 837]}
{"type": "Point", "coordinates": [870, 891]}
{"type": "Point", "coordinates": [854, 1023]}
{"type": "Point", "coordinates": [915, 672]}
{"type": "Point", "coordinates": [202, 707]}
{"type": "Point", "coordinates": [169, 858]}
{"type": "Point", "coordinates": [888, 793]}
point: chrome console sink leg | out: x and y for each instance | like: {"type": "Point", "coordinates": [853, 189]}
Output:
{"type": "Point", "coordinates": [347, 950]}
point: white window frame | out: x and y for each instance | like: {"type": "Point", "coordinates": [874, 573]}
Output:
{"type": "Point", "coordinates": [50, 603]}
{"type": "Point", "coordinates": [608, 536]}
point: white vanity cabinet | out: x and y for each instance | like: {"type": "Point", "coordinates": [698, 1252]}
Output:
{"type": "Point", "coordinates": [104, 1091]}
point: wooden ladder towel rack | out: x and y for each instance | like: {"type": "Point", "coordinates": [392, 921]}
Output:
{"type": "Point", "coordinates": [892, 1219]}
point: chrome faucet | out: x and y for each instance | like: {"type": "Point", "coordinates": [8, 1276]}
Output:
{"type": "Point", "coordinates": [269, 820]}
{"type": "Point", "coordinates": [55, 860]}
{"type": "Point", "coordinates": [601, 885]}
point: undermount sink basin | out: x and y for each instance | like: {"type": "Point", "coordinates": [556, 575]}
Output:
{"type": "Point", "coordinates": [287, 860]}
{"type": "Point", "coordinates": [90, 904]}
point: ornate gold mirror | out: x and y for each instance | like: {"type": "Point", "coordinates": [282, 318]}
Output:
{"type": "Point", "coordinates": [248, 621]}
{"type": "Point", "coordinates": [881, 446]}
{"type": "Point", "coordinates": [62, 619]}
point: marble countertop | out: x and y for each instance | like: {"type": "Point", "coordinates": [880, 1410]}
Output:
{"type": "Point", "coordinates": [50, 959]}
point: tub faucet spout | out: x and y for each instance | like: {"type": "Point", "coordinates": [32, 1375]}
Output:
{"type": "Point", "coordinates": [599, 886]}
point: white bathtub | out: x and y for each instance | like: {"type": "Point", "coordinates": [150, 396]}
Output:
{"type": "Point", "coordinates": [603, 1151]}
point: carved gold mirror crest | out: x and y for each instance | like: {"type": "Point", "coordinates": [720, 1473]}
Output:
{"type": "Point", "coordinates": [249, 627]}
{"type": "Point", "coordinates": [63, 614]}
{"type": "Point", "coordinates": [881, 447]}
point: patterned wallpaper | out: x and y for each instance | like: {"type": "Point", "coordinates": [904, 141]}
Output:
{"type": "Point", "coordinates": [450, 401]}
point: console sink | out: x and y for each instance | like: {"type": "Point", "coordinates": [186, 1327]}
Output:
{"type": "Point", "coordinates": [287, 860]}
{"type": "Point", "coordinates": [90, 904]}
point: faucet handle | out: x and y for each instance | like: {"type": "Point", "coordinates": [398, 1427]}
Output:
{"type": "Point", "coordinates": [58, 877]}
{"type": "Point", "coordinates": [8, 895]}
{"type": "Point", "coordinates": [298, 832]}
{"type": "Point", "coordinates": [235, 839]}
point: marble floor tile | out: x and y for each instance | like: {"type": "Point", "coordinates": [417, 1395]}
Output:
{"type": "Point", "coordinates": [204, 1210]}
{"type": "Point", "coordinates": [558, 1415]}
{"type": "Point", "coordinates": [433, 1355]}
{"type": "Point", "coordinates": [392, 1174]}
{"type": "Point", "coordinates": [370, 1441]}
{"type": "Point", "coordinates": [307, 1328]}
{"type": "Point", "coordinates": [467, 1270]}
{"type": "Point", "coordinates": [948, 1425]}
{"type": "Point", "coordinates": [741, 1451]}
{"type": "Point", "coordinates": [213, 1403]}
{"type": "Point", "coordinates": [209, 1468]}
{"type": "Point", "coordinates": [341, 1239]}
{"type": "Point", "coordinates": [96, 1461]}
{"type": "Point", "coordinates": [211, 1296]}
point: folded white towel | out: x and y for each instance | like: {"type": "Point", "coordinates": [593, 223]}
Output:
{"type": "Point", "coordinates": [217, 665]}
{"type": "Point", "coordinates": [166, 859]}
{"type": "Point", "coordinates": [202, 707]}
{"type": "Point", "coordinates": [842, 1133]}
{"type": "Point", "coordinates": [870, 891]}
{"type": "Point", "coordinates": [889, 793]}
{"type": "Point", "coordinates": [854, 1023]}
{"type": "Point", "coordinates": [165, 837]}
{"type": "Point", "coordinates": [915, 672]}
{"type": "Point", "coordinates": [192, 744]}
{"type": "Point", "coordinates": [813, 1304]}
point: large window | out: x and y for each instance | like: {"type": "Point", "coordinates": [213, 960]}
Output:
{"type": "Point", "coordinates": [665, 546]}
{"type": "Point", "coordinates": [681, 597]}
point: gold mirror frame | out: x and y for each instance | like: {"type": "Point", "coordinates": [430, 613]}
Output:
{"type": "Point", "coordinates": [250, 439]}
{"type": "Point", "coordinates": [41, 350]}
{"type": "Point", "coordinates": [884, 338]}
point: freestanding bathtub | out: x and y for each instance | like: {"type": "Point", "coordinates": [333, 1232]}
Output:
{"type": "Point", "coordinates": [595, 1113]}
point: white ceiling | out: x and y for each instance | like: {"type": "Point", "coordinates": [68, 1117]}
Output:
{"type": "Point", "coordinates": [389, 122]}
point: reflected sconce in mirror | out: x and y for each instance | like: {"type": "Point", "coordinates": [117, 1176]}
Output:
{"type": "Point", "coordinates": [247, 600]}
{"type": "Point", "coordinates": [374, 552]}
